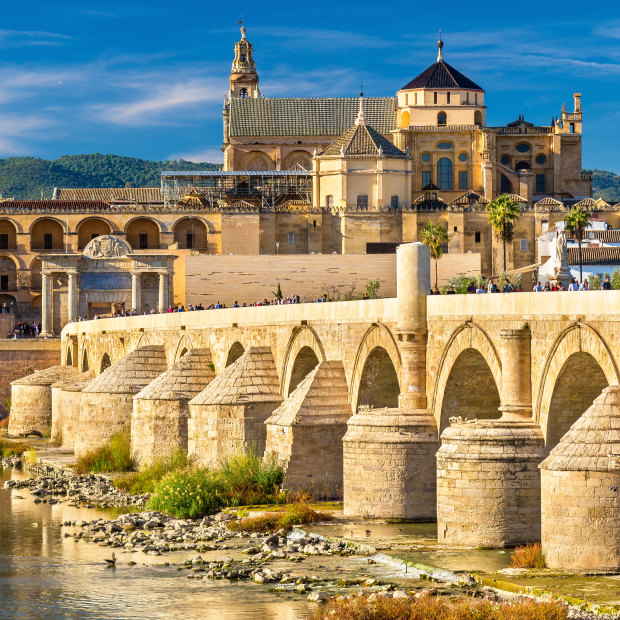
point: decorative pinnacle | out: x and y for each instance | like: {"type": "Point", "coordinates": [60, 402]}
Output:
{"type": "Point", "coordinates": [439, 48]}
{"type": "Point", "coordinates": [242, 29]}
{"type": "Point", "coordinates": [361, 119]}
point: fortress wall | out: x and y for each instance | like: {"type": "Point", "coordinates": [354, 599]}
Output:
{"type": "Point", "coordinates": [19, 358]}
{"type": "Point", "coordinates": [252, 278]}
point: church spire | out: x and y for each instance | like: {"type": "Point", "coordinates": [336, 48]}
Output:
{"type": "Point", "coordinates": [243, 75]}
{"type": "Point", "coordinates": [439, 48]}
{"type": "Point", "coordinates": [361, 118]}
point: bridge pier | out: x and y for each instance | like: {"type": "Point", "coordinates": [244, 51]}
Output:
{"type": "Point", "coordinates": [580, 481]}
{"type": "Point", "coordinates": [31, 400]}
{"type": "Point", "coordinates": [160, 410]}
{"type": "Point", "coordinates": [488, 486]}
{"type": "Point", "coordinates": [388, 454]}
{"type": "Point", "coordinates": [71, 398]}
{"type": "Point", "coordinates": [107, 401]}
{"type": "Point", "coordinates": [229, 415]}
{"type": "Point", "coordinates": [305, 432]}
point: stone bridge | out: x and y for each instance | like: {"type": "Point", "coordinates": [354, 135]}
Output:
{"type": "Point", "coordinates": [357, 397]}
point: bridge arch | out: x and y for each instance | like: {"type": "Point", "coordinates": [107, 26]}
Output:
{"type": "Point", "coordinates": [234, 353]}
{"type": "Point", "coordinates": [303, 352]}
{"type": "Point", "coordinates": [377, 368]}
{"type": "Point", "coordinates": [469, 377]}
{"type": "Point", "coordinates": [183, 346]}
{"type": "Point", "coordinates": [105, 362]}
{"type": "Point", "coordinates": [84, 361]}
{"type": "Point", "coordinates": [579, 366]}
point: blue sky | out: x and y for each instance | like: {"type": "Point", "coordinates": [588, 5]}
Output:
{"type": "Point", "coordinates": [147, 79]}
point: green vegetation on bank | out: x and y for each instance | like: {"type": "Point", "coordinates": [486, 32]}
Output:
{"type": "Point", "coordinates": [25, 177]}
{"type": "Point", "coordinates": [239, 480]}
{"type": "Point", "coordinates": [10, 448]}
{"type": "Point", "coordinates": [435, 608]}
{"type": "Point", "coordinates": [146, 478]}
{"type": "Point", "coordinates": [113, 456]}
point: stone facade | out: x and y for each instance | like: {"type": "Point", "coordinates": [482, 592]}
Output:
{"type": "Point", "coordinates": [31, 400]}
{"type": "Point", "coordinates": [161, 410]}
{"type": "Point", "coordinates": [107, 401]}
{"type": "Point", "coordinates": [229, 415]}
{"type": "Point", "coordinates": [68, 403]}
{"type": "Point", "coordinates": [305, 432]}
{"type": "Point", "coordinates": [580, 480]}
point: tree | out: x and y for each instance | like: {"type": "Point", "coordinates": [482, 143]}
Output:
{"type": "Point", "coordinates": [503, 213]}
{"type": "Point", "coordinates": [576, 222]}
{"type": "Point", "coordinates": [435, 236]}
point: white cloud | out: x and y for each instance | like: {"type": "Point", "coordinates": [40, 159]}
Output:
{"type": "Point", "coordinates": [25, 38]}
{"type": "Point", "coordinates": [14, 131]}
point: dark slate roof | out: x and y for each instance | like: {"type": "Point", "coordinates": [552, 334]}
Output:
{"type": "Point", "coordinates": [441, 75]}
{"type": "Point", "coordinates": [111, 194]}
{"type": "Point", "coordinates": [307, 117]}
{"type": "Point", "coordinates": [362, 140]}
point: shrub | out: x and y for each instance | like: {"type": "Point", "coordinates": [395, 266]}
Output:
{"type": "Point", "coordinates": [437, 608]}
{"type": "Point", "coordinates": [595, 282]}
{"type": "Point", "coordinates": [293, 514]}
{"type": "Point", "coordinates": [190, 494]}
{"type": "Point", "coordinates": [4, 423]}
{"type": "Point", "coordinates": [146, 479]}
{"type": "Point", "coordinates": [528, 556]}
{"type": "Point", "coordinates": [8, 448]}
{"type": "Point", "coordinates": [615, 279]}
{"type": "Point", "coordinates": [113, 456]}
{"type": "Point", "coordinates": [243, 479]}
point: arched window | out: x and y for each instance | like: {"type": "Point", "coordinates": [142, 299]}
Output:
{"type": "Point", "coordinates": [444, 173]}
{"type": "Point", "coordinates": [243, 92]}
{"type": "Point", "coordinates": [477, 117]}
{"type": "Point", "coordinates": [522, 165]}
{"type": "Point", "coordinates": [442, 118]}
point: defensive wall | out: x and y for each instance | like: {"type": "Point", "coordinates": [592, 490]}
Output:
{"type": "Point", "coordinates": [416, 407]}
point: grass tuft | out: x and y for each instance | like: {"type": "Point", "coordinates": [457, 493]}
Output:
{"type": "Point", "coordinates": [4, 423]}
{"type": "Point", "coordinates": [293, 514]}
{"type": "Point", "coordinates": [437, 608]}
{"type": "Point", "coordinates": [528, 556]}
{"type": "Point", "coordinates": [113, 456]}
{"type": "Point", "coordinates": [146, 478]}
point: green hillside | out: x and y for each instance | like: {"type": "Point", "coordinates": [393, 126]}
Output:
{"type": "Point", "coordinates": [25, 177]}
{"type": "Point", "coordinates": [606, 185]}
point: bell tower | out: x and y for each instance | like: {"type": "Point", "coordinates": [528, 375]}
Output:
{"type": "Point", "coordinates": [243, 76]}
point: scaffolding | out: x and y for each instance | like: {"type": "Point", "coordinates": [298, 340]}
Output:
{"type": "Point", "coordinates": [264, 188]}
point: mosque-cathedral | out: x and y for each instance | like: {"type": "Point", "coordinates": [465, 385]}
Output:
{"type": "Point", "coordinates": [322, 175]}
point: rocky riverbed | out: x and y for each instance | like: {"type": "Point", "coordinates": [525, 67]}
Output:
{"type": "Point", "coordinates": [298, 563]}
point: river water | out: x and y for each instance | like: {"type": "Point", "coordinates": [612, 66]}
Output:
{"type": "Point", "coordinates": [46, 576]}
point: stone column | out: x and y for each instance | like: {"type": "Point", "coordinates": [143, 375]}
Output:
{"type": "Point", "coordinates": [413, 278]}
{"type": "Point", "coordinates": [136, 291]}
{"type": "Point", "coordinates": [162, 305]}
{"type": "Point", "coordinates": [73, 295]}
{"type": "Point", "coordinates": [389, 454]}
{"type": "Point", "coordinates": [46, 305]}
{"type": "Point", "coordinates": [516, 394]}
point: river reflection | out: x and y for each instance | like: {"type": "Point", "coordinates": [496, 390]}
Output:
{"type": "Point", "coordinates": [44, 575]}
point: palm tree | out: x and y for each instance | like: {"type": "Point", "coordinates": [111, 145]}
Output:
{"type": "Point", "coordinates": [435, 236]}
{"type": "Point", "coordinates": [576, 222]}
{"type": "Point", "coordinates": [503, 213]}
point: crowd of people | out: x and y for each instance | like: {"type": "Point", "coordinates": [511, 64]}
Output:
{"type": "Point", "coordinates": [25, 329]}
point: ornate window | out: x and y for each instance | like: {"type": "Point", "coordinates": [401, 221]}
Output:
{"type": "Point", "coordinates": [505, 160]}
{"type": "Point", "coordinates": [523, 147]}
{"type": "Point", "coordinates": [444, 146]}
{"type": "Point", "coordinates": [426, 179]}
{"type": "Point", "coordinates": [444, 173]}
{"type": "Point", "coordinates": [462, 179]}
{"type": "Point", "coordinates": [243, 92]}
{"type": "Point", "coordinates": [442, 118]}
{"type": "Point", "coordinates": [426, 157]}
{"type": "Point", "coordinates": [541, 159]}
{"type": "Point", "coordinates": [540, 184]}
{"type": "Point", "coordinates": [462, 156]}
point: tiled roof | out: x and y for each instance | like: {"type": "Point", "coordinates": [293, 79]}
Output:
{"type": "Point", "coordinates": [606, 236]}
{"type": "Point", "coordinates": [594, 256]}
{"type": "Point", "coordinates": [307, 117]}
{"type": "Point", "coordinates": [469, 198]}
{"type": "Point", "coordinates": [55, 205]}
{"type": "Point", "coordinates": [441, 75]}
{"type": "Point", "coordinates": [47, 376]}
{"type": "Point", "coordinates": [111, 194]}
{"type": "Point", "coordinates": [548, 202]}
{"type": "Point", "coordinates": [362, 140]}
{"type": "Point", "coordinates": [586, 203]}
